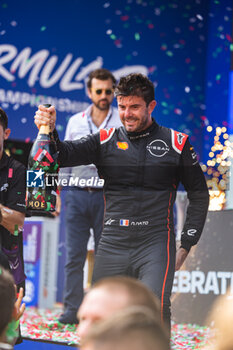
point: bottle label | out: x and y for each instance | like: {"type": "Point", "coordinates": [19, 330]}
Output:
{"type": "Point", "coordinates": [41, 199]}
{"type": "Point", "coordinates": [36, 204]}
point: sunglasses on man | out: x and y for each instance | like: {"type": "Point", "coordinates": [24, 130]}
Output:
{"type": "Point", "coordinates": [107, 91]}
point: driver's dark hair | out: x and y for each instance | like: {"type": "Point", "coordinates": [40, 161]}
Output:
{"type": "Point", "coordinates": [136, 84]}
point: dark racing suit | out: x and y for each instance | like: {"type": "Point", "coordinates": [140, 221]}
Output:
{"type": "Point", "coordinates": [141, 173]}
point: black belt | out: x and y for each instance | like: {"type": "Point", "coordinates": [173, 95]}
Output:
{"type": "Point", "coordinates": [90, 189]}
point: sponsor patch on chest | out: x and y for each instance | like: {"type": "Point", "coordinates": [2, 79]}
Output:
{"type": "Point", "coordinates": [158, 148]}
{"type": "Point", "coordinates": [122, 145]}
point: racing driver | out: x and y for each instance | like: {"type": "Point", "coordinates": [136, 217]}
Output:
{"type": "Point", "coordinates": [142, 164]}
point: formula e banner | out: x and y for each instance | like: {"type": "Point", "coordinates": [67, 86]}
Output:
{"type": "Point", "coordinates": [48, 48]}
{"type": "Point", "coordinates": [207, 272]}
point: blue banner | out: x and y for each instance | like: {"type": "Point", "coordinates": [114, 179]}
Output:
{"type": "Point", "coordinates": [48, 48]}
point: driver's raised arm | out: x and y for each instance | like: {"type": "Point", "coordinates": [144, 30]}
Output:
{"type": "Point", "coordinates": [71, 153]}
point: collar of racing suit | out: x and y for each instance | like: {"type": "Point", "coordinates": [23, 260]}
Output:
{"type": "Point", "coordinates": [144, 133]}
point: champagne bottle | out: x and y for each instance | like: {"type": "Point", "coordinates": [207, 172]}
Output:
{"type": "Point", "coordinates": [42, 174]}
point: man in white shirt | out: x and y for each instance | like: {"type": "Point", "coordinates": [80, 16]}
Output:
{"type": "Point", "coordinates": [85, 202]}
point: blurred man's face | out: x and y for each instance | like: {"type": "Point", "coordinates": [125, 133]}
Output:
{"type": "Point", "coordinates": [98, 305]}
{"type": "Point", "coordinates": [101, 93]}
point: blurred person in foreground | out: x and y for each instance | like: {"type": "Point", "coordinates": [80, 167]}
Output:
{"type": "Point", "coordinates": [220, 320]}
{"type": "Point", "coordinates": [10, 310]}
{"type": "Point", "coordinates": [109, 295]}
{"type": "Point", "coordinates": [142, 164]}
{"type": "Point", "coordinates": [135, 328]}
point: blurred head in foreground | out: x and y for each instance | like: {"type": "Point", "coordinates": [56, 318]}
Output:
{"type": "Point", "coordinates": [7, 300]}
{"type": "Point", "coordinates": [221, 319]}
{"type": "Point", "coordinates": [135, 328]}
{"type": "Point", "coordinates": [112, 294]}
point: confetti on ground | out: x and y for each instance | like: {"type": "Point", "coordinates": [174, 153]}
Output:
{"type": "Point", "coordinates": [188, 336]}
{"type": "Point", "coordinates": [43, 324]}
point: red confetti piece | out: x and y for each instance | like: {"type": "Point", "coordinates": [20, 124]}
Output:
{"type": "Point", "coordinates": [117, 42]}
{"type": "Point", "coordinates": [182, 42]}
{"type": "Point", "coordinates": [124, 18]}
{"type": "Point", "coordinates": [229, 38]}
{"type": "Point", "coordinates": [177, 111]}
